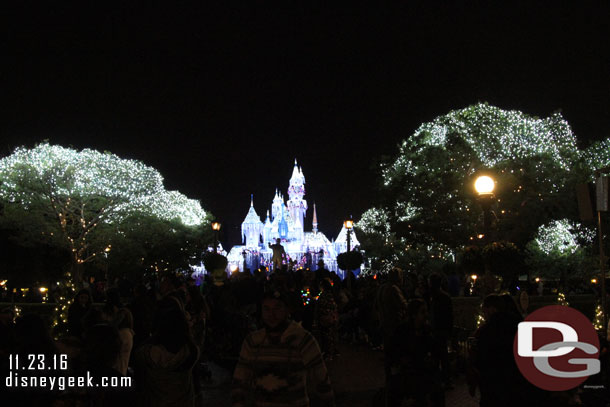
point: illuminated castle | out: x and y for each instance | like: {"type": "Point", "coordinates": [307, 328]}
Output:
{"type": "Point", "coordinates": [303, 249]}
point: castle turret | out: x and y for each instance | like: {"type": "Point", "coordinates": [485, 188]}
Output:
{"type": "Point", "coordinates": [283, 225]}
{"type": "Point", "coordinates": [276, 206]}
{"type": "Point", "coordinates": [251, 227]}
{"type": "Point", "coordinates": [267, 230]}
{"type": "Point", "coordinates": [315, 220]}
{"type": "Point", "coordinates": [297, 206]}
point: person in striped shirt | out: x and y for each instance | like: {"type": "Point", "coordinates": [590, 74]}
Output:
{"type": "Point", "coordinates": [278, 363]}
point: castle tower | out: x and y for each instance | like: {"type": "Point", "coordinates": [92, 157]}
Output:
{"type": "Point", "coordinates": [251, 227]}
{"type": "Point", "coordinates": [315, 220]}
{"type": "Point", "coordinates": [267, 230]}
{"type": "Point", "coordinates": [276, 206]}
{"type": "Point", "coordinates": [283, 225]}
{"type": "Point", "coordinates": [297, 206]}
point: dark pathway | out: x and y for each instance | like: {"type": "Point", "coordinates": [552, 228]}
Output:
{"type": "Point", "coordinates": [357, 377]}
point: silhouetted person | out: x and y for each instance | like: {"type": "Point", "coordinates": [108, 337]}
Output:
{"type": "Point", "coordinates": [164, 365]}
{"type": "Point", "coordinates": [33, 342]}
{"type": "Point", "coordinates": [327, 320]}
{"type": "Point", "coordinates": [142, 309]}
{"type": "Point", "coordinates": [500, 382]}
{"type": "Point", "coordinates": [414, 361]}
{"type": "Point", "coordinates": [124, 323]}
{"type": "Point", "coordinates": [77, 311]}
{"type": "Point", "coordinates": [197, 311]}
{"type": "Point", "coordinates": [391, 303]}
{"type": "Point", "coordinates": [171, 293]}
{"type": "Point", "coordinates": [278, 254]}
{"type": "Point", "coordinates": [441, 319]}
{"type": "Point", "coordinates": [112, 305]}
{"type": "Point", "coordinates": [100, 354]}
{"type": "Point", "coordinates": [391, 307]}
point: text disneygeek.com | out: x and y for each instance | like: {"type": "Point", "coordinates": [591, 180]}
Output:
{"type": "Point", "coordinates": [18, 381]}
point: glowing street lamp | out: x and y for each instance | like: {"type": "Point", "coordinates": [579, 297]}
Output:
{"type": "Point", "coordinates": [484, 185]}
{"type": "Point", "coordinates": [349, 224]}
{"type": "Point", "coordinates": [216, 229]}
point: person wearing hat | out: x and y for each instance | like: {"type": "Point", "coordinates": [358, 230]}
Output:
{"type": "Point", "coordinates": [277, 361]}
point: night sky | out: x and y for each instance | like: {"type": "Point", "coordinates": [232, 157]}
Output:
{"type": "Point", "coordinates": [222, 99]}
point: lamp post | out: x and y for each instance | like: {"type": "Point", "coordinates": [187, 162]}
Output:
{"type": "Point", "coordinates": [349, 224]}
{"type": "Point", "coordinates": [106, 251]}
{"type": "Point", "coordinates": [216, 229]}
{"type": "Point", "coordinates": [484, 185]}
{"type": "Point", "coordinates": [601, 187]}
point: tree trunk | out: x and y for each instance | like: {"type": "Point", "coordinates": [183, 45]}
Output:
{"type": "Point", "coordinates": [77, 273]}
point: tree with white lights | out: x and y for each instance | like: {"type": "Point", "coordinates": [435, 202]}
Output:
{"type": "Point", "coordinates": [427, 191]}
{"type": "Point", "coordinates": [562, 248]}
{"type": "Point", "coordinates": [84, 196]}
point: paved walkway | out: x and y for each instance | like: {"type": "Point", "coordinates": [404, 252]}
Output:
{"type": "Point", "coordinates": [357, 377]}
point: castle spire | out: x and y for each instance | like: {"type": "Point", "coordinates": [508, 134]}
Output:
{"type": "Point", "coordinates": [297, 206]}
{"type": "Point", "coordinates": [297, 175]}
{"type": "Point", "coordinates": [315, 219]}
{"type": "Point", "coordinates": [251, 227]}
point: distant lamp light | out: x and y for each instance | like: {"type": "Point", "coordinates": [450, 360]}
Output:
{"type": "Point", "coordinates": [594, 280]}
{"type": "Point", "coordinates": [537, 279]}
{"type": "Point", "coordinates": [484, 185]}
{"type": "Point", "coordinates": [234, 268]}
{"type": "Point", "coordinates": [216, 229]}
{"type": "Point", "coordinates": [348, 224]}
{"type": "Point", "coordinates": [480, 235]}
{"type": "Point", "coordinates": [43, 289]}
{"type": "Point", "coordinates": [107, 250]}
{"type": "Point", "coordinates": [474, 277]}
{"type": "Point", "coordinates": [3, 283]}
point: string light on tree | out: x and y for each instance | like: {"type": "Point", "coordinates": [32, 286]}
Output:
{"type": "Point", "coordinates": [480, 319]}
{"type": "Point", "coordinates": [598, 320]}
{"type": "Point", "coordinates": [16, 312]}
{"type": "Point", "coordinates": [561, 299]}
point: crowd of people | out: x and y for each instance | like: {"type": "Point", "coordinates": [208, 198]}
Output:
{"type": "Point", "coordinates": [277, 332]}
